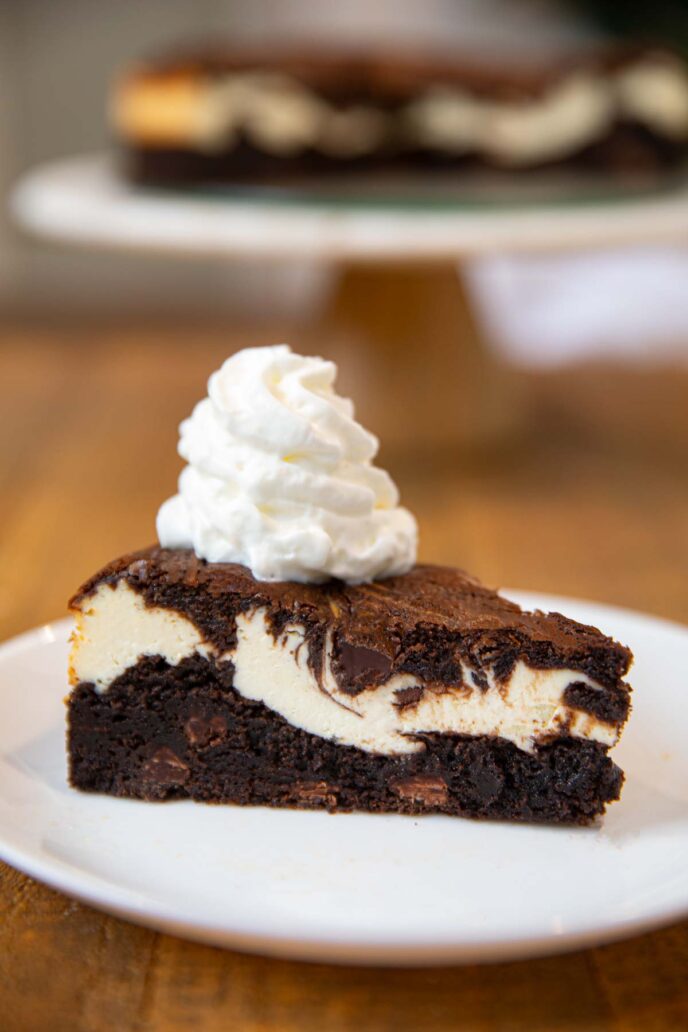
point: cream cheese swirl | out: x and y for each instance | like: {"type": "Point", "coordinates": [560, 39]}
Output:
{"type": "Point", "coordinates": [280, 477]}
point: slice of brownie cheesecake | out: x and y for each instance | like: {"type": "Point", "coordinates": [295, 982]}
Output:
{"type": "Point", "coordinates": [282, 647]}
{"type": "Point", "coordinates": [425, 692]}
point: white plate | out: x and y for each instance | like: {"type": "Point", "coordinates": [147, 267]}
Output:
{"type": "Point", "coordinates": [355, 887]}
{"type": "Point", "coordinates": [84, 201]}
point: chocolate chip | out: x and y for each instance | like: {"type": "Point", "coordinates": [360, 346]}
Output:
{"type": "Point", "coordinates": [164, 767]}
{"type": "Point", "coordinates": [408, 696]}
{"type": "Point", "coordinates": [360, 664]}
{"type": "Point", "coordinates": [316, 793]}
{"type": "Point", "coordinates": [423, 788]}
{"type": "Point", "coordinates": [138, 570]}
{"type": "Point", "coordinates": [479, 680]}
{"type": "Point", "coordinates": [202, 731]}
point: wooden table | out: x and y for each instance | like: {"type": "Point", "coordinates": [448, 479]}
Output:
{"type": "Point", "coordinates": [593, 501]}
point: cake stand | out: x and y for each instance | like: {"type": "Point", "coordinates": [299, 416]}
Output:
{"type": "Point", "coordinates": [399, 319]}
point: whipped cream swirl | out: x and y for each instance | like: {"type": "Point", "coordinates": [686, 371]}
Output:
{"type": "Point", "coordinates": [280, 477]}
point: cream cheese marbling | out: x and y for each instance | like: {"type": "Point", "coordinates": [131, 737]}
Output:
{"type": "Point", "coordinates": [116, 628]}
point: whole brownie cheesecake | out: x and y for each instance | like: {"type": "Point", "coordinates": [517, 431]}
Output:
{"type": "Point", "coordinates": [234, 114]}
{"type": "Point", "coordinates": [327, 668]}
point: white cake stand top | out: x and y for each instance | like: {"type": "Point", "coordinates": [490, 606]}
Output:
{"type": "Point", "coordinates": [84, 201]}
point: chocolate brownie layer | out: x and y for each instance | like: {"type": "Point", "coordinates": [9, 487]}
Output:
{"type": "Point", "coordinates": [630, 152]}
{"type": "Point", "coordinates": [164, 731]}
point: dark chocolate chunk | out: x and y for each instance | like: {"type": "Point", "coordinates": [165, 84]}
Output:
{"type": "Point", "coordinates": [314, 794]}
{"type": "Point", "coordinates": [202, 730]}
{"type": "Point", "coordinates": [357, 667]}
{"type": "Point", "coordinates": [408, 696]}
{"type": "Point", "coordinates": [427, 789]}
{"type": "Point", "coordinates": [164, 768]}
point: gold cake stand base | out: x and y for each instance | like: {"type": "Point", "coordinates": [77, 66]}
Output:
{"type": "Point", "coordinates": [413, 355]}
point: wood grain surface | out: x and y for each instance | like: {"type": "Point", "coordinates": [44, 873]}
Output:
{"type": "Point", "coordinates": [591, 500]}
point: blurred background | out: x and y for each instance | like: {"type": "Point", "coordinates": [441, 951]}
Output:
{"type": "Point", "coordinates": [58, 60]}
{"type": "Point", "coordinates": [583, 489]}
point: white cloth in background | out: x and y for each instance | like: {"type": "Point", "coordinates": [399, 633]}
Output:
{"type": "Point", "coordinates": [550, 310]}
